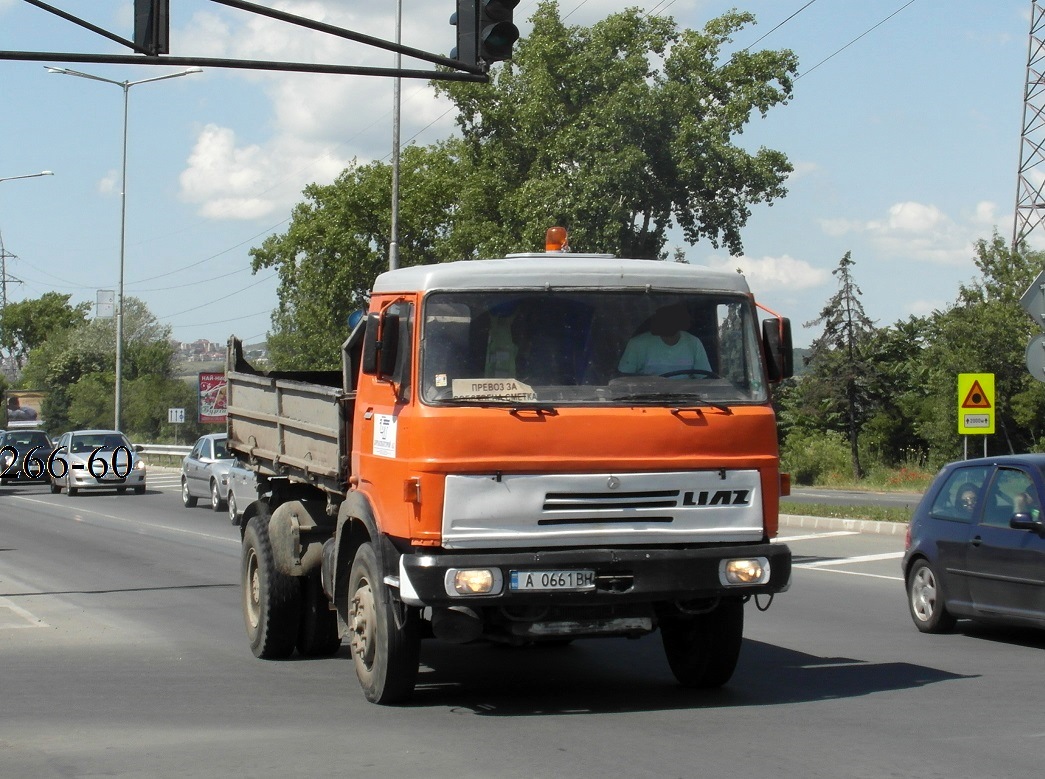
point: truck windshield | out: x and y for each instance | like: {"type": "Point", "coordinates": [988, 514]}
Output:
{"type": "Point", "coordinates": [584, 348]}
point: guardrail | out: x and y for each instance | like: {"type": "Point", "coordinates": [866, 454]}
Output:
{"type": "Point", "coordinates": [165, 449]}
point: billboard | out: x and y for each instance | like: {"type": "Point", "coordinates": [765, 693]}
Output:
{"type": "Point", "coordinates": [23, 408]}
{"type": "Point", "coordinates": [213, 398]}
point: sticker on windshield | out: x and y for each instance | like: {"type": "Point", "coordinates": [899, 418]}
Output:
{"type": "Point", "coordinates": [384, 435]}
{"type": "Point", "coordinates": [492, 389]}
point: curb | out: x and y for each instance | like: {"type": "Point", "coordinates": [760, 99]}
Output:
{"type": "Point", "coordinates": [837, 523]}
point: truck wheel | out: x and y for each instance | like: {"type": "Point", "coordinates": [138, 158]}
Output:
{"type": "Point", "coordinates": [271, 599]}
{"type": "Point", "coordinates": [385, 654]}
{"type": "Point", "coordinates": [703, 650]}
{"type": "Point", "coordinates": [318, 634]}
{"type": "Point", "coordinates": [187, 500]}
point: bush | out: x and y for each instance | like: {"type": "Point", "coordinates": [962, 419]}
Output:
{"type": "Point", "coordinates": [813, 458]}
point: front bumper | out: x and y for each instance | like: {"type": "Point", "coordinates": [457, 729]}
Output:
{"type": "Point", "coordinates": [85, 481]}
{"type": "Point", "coordinates": [622, 575]}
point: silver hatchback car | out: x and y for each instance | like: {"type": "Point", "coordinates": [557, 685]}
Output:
{"type": "Point", "coordinates": [205, 472]}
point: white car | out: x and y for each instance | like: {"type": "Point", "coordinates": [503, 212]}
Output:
{"type": "Point", "coordinates": [96, 459]}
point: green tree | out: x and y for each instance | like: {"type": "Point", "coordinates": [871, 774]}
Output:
{"type": "Point", "coordinates": [29, 323]}
{"type": "Point", "coordinates": [338, 242]}
{"type": "Point", "coordinates": [76, 367]}
{"type": "Point", "coordinates": [986, 331]}
{"type": "Point", "coordinates": [837, 388]}
{"type": "Point", "coordinates": [617, 131]}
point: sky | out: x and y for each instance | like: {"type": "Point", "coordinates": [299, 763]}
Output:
{"type": "Point", "coordinates": [904, 133]}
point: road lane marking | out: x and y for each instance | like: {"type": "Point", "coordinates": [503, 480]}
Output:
{"type": "Point", "coordinates": [814, 536]}
{"type": "Point", "coordinates": [867, 558]}
{"type": "Point", "coordinates": [80, 512]}
{"type": "Point", "coordinates": [13, 617]}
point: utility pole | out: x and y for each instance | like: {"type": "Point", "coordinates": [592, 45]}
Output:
{"type": "Point", "coordinates": [1030, 185]}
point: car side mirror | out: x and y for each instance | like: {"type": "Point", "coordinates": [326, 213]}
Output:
{"type": "Point", "coordinates": [1023, 521]}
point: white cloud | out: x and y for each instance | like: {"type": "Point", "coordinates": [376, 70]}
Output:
{"type": "Point", "coordinates": [912, 231]}
{"type": "Point", "coordinates": [773, 273]}
{"type": "Point", "coordinates": [319, 123]}
{"type": "Point", "coordinates": [109, 183]}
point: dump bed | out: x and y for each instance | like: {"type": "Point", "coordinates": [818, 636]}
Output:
{"type": "Point", "coordinates": [290, 424]}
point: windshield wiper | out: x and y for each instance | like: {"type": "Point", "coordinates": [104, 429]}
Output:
{"type": "Point", "coordinates": [681, 399]}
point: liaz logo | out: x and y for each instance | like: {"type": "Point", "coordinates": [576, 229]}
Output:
{"type": "Point", "coordinates": [717, 498]}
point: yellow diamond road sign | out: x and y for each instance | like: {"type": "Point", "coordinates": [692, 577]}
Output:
{"type": "Point", "coordinates": [975, 403]}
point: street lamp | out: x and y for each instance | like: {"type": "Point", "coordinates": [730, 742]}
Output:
{"type": "Point", "coordinates": [126, 87]}
{"type": "Point", "coordinates": [28, 176]}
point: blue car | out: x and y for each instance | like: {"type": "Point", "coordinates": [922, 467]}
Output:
{"type": "Point", "coordinates": [976, 545]}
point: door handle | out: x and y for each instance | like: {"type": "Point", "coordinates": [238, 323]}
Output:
{"type": "Point", "coordinates": [976, 541]}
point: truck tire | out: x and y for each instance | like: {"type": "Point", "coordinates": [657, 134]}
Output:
{"type": "Point", "coordinates": [271, 599]}
{"type": "Point", "coordinates": [318, 635]}
{"type": "Point", "coordinates": [384, 653]}
{"type": "Point", "coordinates": [703, 649]}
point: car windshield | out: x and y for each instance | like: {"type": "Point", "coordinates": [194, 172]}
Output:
{"type": "Point", "coordinates": [88, 442]}
{"type": "Point", "coordinates": [28, 438]}
{"type": "Point", "coordinates": [584, 348]}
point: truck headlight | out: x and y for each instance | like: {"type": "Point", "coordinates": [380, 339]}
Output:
{"type": "Point", "coordinates": [473, 581]}
{"type": "Point", "coordinates": [747, 570]}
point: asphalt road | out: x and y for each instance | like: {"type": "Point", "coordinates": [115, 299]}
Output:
{"type": "Point", "coordinates": [122, 653]}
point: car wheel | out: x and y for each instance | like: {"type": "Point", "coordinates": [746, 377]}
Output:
{"type": "Point", "coordinates": [187, 500]}
{"type": "Point", "coordinates": [139, 490]}
{"type": "Point", "coordinates": [271, 599]}
{"type": "Point", "coordinates": [72, 491]}
{"type": "Point", "coordinates": [216, 503]}
{"type": "Point", "coordinates": [232, 507]}
{"type": "Point", "coordinates": [121, 490]}
{"type": "Point", "coordinates": [925, 598]}
{"type": "Point", "coordinates": [385, 646]}
{"type": "Point", "coordinates": [55, 488]}
{"type": "Point", "coordinates": [703, 649]}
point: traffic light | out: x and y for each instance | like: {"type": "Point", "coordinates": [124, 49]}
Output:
{"type": "Point", "coordinates": [466, 19]}
{"type": "Point", "coordinates": [152, 26]}
{"type": "Point", "coordinates": [497, 33]}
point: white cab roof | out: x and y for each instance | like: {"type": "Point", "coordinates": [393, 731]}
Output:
{"type": "Point", "coordinates": [560, 271]}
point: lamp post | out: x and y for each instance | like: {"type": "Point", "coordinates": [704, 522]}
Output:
{"type": "Point", "coordinates": [126, 87]}
{"type": "Point", "coordinates": [3, 253]}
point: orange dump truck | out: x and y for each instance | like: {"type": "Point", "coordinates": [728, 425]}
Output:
{"type": "Point", "coordinates": [530, 449]}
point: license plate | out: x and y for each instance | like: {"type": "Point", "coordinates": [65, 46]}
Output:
{"type": "Point", "coordinates": [552, 580]}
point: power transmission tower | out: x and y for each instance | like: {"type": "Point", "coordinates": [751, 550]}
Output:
{"type": "Point", "coordinates": [4, 278]}
{"type": "Point", "coordinates": [1030, 187]}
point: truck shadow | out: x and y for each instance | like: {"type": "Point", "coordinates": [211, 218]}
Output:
{"type": "Point", "coordinates": [602, 676]}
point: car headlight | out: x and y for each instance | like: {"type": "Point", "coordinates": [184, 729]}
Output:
{"type": "Point", "coordinates": [139, 465]}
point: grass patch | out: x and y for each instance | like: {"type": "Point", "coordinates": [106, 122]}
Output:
{"type": "Point", "coordinates": [874, 513]}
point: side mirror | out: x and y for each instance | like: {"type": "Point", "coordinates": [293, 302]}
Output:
{"type": "Point", "coordinates": [379, 354]}
{"type": "Point", "coordinates": [776, 340]}
{"type": "Point", "coordinates": [1024, 521]}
